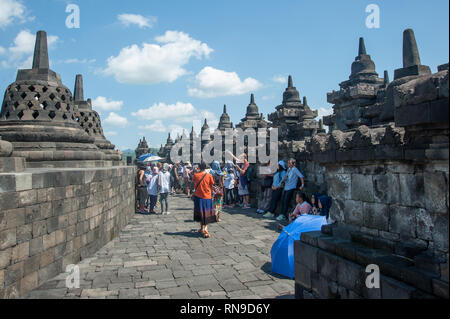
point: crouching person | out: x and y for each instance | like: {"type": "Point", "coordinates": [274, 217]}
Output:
{"type": "Point", "coordinates": [303, 207]}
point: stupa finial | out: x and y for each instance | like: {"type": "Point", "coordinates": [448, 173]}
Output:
{"type": "Point", "coordinates": [290, 82]}
{"type": "Point", "coordinates": [386, 78]}
{"type": "Point", "coordinates": [78, 91]}
{"type": "Point", "coordinates": [40, 58]}
{"type": "Point", "coordinates": [362, 47]}
{"type": "Point", "coordinates": [410, 51]}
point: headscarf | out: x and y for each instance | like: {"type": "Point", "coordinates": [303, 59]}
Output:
{"type": "Point", "coordinates": [215, 169]}
{"type": "Point", "coordinates": [317, 197]}
{"type": "Point", "coordinates": [326, 202]}
{"type": "Point", "coordinates": [166, 167]}
{"type": "Point", "coordinates": [282, 164]}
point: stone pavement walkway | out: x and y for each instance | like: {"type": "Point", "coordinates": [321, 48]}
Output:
{"type": "Point", "coordinates": [164, 257]}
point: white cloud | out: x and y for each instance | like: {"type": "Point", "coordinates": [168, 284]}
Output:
{"type": "Point", "coordinates": [116, 120]}
{"type": "Point", "coordinates": [161, 111]}
{"type": "Point", "coordinates": [211, 82]}
{"type": "Point", "coordinates": [176, 130]}
{"type": "Point", "coordinates": [11, 10]}
{"type": "Point", "coordinates": [110, 133]}
{"type": "Point", "coordinates": [283, 79]}
{"type": "Point", "coordinates": [21, 51]}
{"type": "Point", "coordinates": [324, 112]}
{"type": "Point", "coordinates": [141, 21]}
{"type": "Point", "coordinates": [198, 118]}
{"type": "Point", "coordinates": [156, 126]}
{"type": "Point", "coordinates": [2, 50]}
{"type": "Point", "coordinates": [174, 118]}
{"type": "Point", "coordinates": [102, 103]}
{"type": "Point", "coordinates": [155, 63]}
{"type": "Point", "coordinates": [80, 61]}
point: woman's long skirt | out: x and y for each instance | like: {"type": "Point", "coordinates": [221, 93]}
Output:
{"type": "Point", "coordinates": [204, 211]}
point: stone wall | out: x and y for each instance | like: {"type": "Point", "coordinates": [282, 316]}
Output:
{"type": "Point", "coordinates": [397, 201]}
{"type": "Point", "coordinates": [51, 218]}
{"type": "Point", "coordinates": [390, 186]}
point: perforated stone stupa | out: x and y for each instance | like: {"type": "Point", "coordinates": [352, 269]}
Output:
{"type": "Point", "coordinates": [90, 122]}
{"type": "Point", "coordinates": [358, 101]}
{"type": "Point", "coordinates": [142, 148]}
{"type": "Point", "coordinates": [252, 118]}
{"type": "Point", "coordinates": [225, 121]}
{"type": "Point", "coordinates": [38, 118]}
{"type": "Point", "coordinates": [295, 120]}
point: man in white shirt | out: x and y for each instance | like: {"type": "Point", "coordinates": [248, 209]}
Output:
{"type": "Point", "coordinates": [164, 188]}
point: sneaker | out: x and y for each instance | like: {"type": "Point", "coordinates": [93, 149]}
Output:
{"type": "Point", "coordinates": [269, 215]}
{"type": "Point", "coordinates": [246, 207]}
{"type": "Point", "coordinates": [168, 213]}
{"type": "Point", "coordinates": [281, 218]}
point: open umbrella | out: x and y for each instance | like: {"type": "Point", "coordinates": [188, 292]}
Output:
{"type": "Point", "coordinates": [282, 252]}
{"type": "Point", "coordinates": [152, 159]}
{"type": "Point", "coordinates": [143, 157]}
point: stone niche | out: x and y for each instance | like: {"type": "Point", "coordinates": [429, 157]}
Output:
{"type": "Point", "coordinates": [390, 186]}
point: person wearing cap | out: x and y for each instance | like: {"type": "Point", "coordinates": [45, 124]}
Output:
{"type": "Point", "coordinates": [277, 189]}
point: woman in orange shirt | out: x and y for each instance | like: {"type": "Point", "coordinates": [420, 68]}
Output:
{"type": "Point", "coordinates": [203, 204]}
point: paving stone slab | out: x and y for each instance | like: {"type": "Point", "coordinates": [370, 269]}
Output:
{"type": "Point", "coordinates": [159, 257]}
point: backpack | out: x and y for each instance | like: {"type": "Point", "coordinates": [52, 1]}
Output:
{"type": "Point", "coordinates": [251, 174]}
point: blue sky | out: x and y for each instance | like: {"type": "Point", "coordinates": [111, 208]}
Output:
{"type": "Point", "coordinates": [157, 66]}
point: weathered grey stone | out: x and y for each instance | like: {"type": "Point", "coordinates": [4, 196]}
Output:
{"type": "Point", "coordinates": [339, 186]}
{"type": "Point", "coordinates": [435, 185]}
{"type": "Point", "coordinates": [412, 190]}
{"type": "Point", "coordinates": [362, 188]}
{"type": "Point", "coordinates": [392, 289]}
{"type": "Point", "coordinates": [327, 265]}
{"type": "Point", "coordinates": [376, 216]}
{"type": "Point", "coordinates": [403, 221]}
{"type": "Point", "coordinates": [353, 213]}
{"type": "Point", "coordinates": [386, 188]}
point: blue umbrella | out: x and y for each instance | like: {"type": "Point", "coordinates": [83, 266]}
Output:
{"type": "Point", "coordinates": [283, 249]}
{"type": "Point", "coordinates": [144, 157]}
